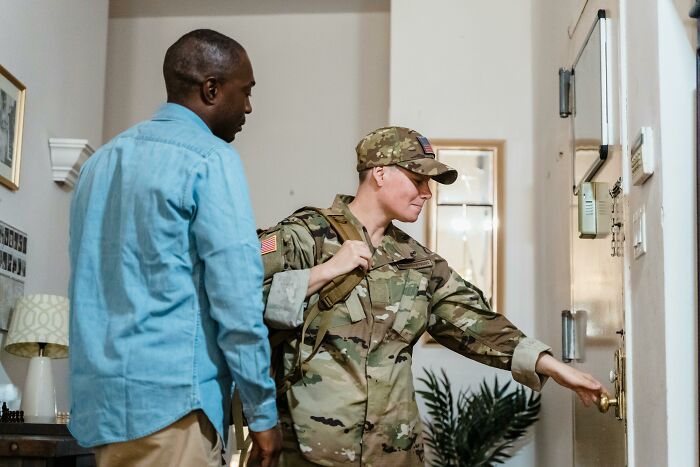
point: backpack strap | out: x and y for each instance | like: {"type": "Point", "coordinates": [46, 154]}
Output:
{"type": "Point", "coordinates": [337, 290]}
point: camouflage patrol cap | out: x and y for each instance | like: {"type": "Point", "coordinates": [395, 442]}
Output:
{"type": "Point", "coordinates": [395, 145]}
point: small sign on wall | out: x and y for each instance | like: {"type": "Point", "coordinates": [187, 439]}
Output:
{"type": "Point", "coordinates": [642, 157]}
{"type": "Point", "coordinates": [13, 270]}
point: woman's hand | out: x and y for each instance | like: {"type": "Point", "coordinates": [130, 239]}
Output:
{"type": "Point", "coordinates": [584, 385]}
{"type": "Point", "coordinates": [352, 254]}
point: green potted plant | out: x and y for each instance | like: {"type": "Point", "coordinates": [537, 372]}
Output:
{"type": "Point", "coordinates": [481, 427]}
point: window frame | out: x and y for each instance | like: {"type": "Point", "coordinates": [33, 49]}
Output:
{"type": "Point", "coordinates": [498, 240]}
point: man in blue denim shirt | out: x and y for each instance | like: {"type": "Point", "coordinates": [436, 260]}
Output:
{"type": "Point", "coordinates": [166, 281]}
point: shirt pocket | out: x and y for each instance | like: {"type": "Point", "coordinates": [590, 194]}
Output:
{"type": "Point", "coordinates": [412, 314]}
{"type": "Point", "coordinates": [342, 314]}
{"type": "Point", "coordinates": [348, 312]}
{"type": "Point", "coordinates": [353, 309]}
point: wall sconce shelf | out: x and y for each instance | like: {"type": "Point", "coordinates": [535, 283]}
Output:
{"type": "Point", "coordinates": [67, 156]}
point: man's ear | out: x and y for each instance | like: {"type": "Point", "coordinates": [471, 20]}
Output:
{"type": "Point", "coordinates": [378, 175]}
{"type": "Point", "coordinates": [209, 90]}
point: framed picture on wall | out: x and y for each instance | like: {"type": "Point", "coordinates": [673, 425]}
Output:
{"type": "Point", "coordinates": [12, 94]}
{"type": "Point", "coordinates": [13, 269]}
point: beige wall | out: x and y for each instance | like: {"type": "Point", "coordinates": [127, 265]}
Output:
{"type": "Point", "coordinates": [323, 81]}
{"type": "Point", "coordinates": [57, 50]}
{"type": "Point", "coordinates": [552, 174]}
{"type": "Point", "coordinates": [322, 84]}
{"type": "Point", "coordinates": [470, 77]}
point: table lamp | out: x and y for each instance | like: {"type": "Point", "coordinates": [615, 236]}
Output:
{"type": "Point", "coordinates": [39, 330]}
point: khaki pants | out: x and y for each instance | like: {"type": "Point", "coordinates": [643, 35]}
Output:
{"type": "Point", "coordinates": [191, 441]}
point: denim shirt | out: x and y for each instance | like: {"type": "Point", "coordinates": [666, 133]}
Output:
{"type": "Point", "coordinates": [166, 285]}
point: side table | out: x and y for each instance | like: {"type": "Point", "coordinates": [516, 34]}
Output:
{"type": "Point", "coordinates": [41, 445]}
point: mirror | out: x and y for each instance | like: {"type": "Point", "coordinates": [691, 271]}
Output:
{"type": "Point", "coordinates": [463, 218]}
{"type": "Point", "coordinates": [590, 104]}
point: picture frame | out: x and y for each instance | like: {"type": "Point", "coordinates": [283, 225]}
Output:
{"type": "Point", "coordinates": [12, 96]}
{"type": "Point", "coordinates": [471, 192]}
{"type": "Point", "coordinates": [13, 269]}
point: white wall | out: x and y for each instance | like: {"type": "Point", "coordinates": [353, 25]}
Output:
{"type": "Point", "coordinates": [646, 323]}
{"type": "Point", "coordinates": [677, 86]}
{"type": "Point", "coordinates": [57, 50]}
{"type": "Point", "coordinates": [662, 319]}
{"type": "Point", "coordinates": [322, 84]}
{"type": "Point", "coordinates": [463, 70]}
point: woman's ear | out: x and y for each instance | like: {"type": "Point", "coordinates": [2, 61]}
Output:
{"type": "Point", "coordinates": [378, 174]}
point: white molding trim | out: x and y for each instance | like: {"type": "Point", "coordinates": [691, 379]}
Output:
{"type": "Point", "coordinates": [67, 156]}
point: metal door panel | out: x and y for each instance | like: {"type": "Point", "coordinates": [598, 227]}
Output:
{"type": "Point", "coordinates": [597, 290]}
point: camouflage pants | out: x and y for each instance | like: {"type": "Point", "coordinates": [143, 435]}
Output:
{"type": "Point", "coordinates": [292, 457]}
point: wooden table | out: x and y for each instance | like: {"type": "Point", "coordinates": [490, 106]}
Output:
{"type": "Point", "coordinates": [41, 445]}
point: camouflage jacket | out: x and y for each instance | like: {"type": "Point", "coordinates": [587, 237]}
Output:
{"type": "Point", "coordinates": [356, 403]}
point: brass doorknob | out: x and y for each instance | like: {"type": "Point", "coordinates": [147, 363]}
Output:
{"type": "Point", "coordinates": [604, 403]}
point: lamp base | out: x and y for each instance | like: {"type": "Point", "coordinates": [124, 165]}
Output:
{"type": "Point", "coordinates": [39, 398]}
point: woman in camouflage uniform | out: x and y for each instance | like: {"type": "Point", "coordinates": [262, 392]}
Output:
{"type": "Point", "coordinates": [355, 403]}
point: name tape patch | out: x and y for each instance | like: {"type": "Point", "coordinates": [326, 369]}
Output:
{"type": "Point", "coordinates": [415, 265]}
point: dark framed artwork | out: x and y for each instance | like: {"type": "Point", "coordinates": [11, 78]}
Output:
{"type": "Point", "coordinates": [12, 95]}
{"type": "Point", "coordinates": [13, 269]}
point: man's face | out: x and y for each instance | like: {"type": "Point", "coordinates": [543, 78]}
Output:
{"type": "Point", "coordinates": [234, 101]}
{"type": "Point", "coordinates": [404, 193]}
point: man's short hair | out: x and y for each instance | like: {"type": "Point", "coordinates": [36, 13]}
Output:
{"type": "Point", "coordinates": [194, 57]}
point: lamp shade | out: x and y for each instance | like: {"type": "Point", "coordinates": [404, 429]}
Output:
{"type": "Point", "coordinates": [39, 319]}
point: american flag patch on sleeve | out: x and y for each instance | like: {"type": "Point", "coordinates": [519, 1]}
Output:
{"type": "Point", "coordinates": [268, 245]}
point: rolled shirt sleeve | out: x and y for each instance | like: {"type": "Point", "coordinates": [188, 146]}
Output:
{"type": "Point", "coordinates": [287, 262]}
{"type": "Point", "coordinates": [286, 299]}
{"type": "Point", "coordinates": [224, 232]}
{"type": "Point", "coordinates": [524, 362]}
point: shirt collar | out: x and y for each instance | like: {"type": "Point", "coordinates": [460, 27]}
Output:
{"type": "Point", "coordinates": [172, 111]}
{"type": "Point", "coordinates": [340, 204]}
{"type": "Point", "coordinates": [394, 247]}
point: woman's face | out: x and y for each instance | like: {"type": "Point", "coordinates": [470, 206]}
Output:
{"type": "Point", "coordinates": [404, 193]}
